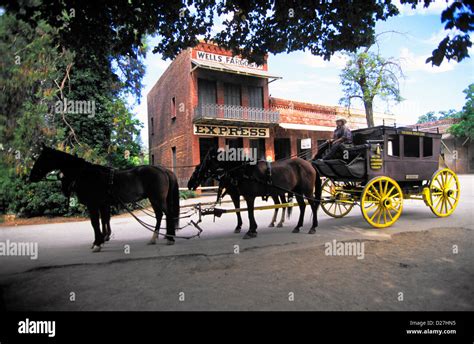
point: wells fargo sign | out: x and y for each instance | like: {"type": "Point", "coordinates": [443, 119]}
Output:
{"type": "Point", "coordinates": [229, 60]}
{"type": "Point", "coordinates": [221, 130]}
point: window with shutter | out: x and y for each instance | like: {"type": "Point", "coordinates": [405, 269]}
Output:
{"type": "Point", "coordinates": [232, 94]}
{"type": "Point", "coordinates": [256, 97]}
{"type": "Point", "coordinates": [207, 92]}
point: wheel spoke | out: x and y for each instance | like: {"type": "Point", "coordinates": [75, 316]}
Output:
{"type": "Point", "coordinates": [380, 214]}
{"type": "Point", "coordinates": [449, 202]}
{"type": "Point", "coordinates": [373, 196]}
{"type": "Point", "coordinates": [374, 205]}
{"type": "Point", "coordinates": [438, 201]}
{"type": "Point", "coordinates": [372, 187]}
{"type": "Point", "coordinates": [390, 214]}
{"type": "Point", "coordinates": [374, 214]}
{"type": "Point", "coordinates": [391, 190]}
{"type": "Point", "coordinates": [386, 188]}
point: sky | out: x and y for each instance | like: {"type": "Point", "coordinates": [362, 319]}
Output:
{"type": "Point", "coordinates": [310, 79]}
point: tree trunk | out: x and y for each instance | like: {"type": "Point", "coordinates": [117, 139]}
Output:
{"type": "Point", "coordinates": [369, 113]}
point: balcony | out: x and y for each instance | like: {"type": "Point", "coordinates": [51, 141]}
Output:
{"type": "Point", "coordinates": [233, 113]}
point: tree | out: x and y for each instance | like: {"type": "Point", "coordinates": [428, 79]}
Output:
{"type": "Point", "coordinates": [36, 72]}
{"type": "Point", "coordinates": [251, 28]}
{"type": "Point", "coordinates": [465, 127]}
{"type": "Point", "coordinates": [458, 16]}
{"type": "Point", "coordinates": [428, 117]}
{"type": "Point", "coordinates": [445, 114]}
{"type": "Point", "coordinates": [432, 116]}
{"type": "Point", "coordinates": [368, 75]}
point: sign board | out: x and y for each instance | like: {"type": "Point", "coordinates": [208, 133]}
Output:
{"type": "Point", "coordinates": [415, 133]}
{"type": "Point", "coordinates": [230, 131]}
{"type": "Point", "coordinates": [228, 60]}
{"type": "Point", "coordinates": [306, 143]}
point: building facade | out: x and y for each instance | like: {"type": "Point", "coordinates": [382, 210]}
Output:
{"type": "Point", "coordinates": [209, 98]}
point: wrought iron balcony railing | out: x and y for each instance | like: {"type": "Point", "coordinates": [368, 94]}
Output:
{"type": "Point", "coordinates": [234, 112]}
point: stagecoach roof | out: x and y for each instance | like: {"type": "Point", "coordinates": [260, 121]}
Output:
{"type": "Point", "coordinates": [380, 129]}
{"type": "Point", "coordinates": [221, 67]}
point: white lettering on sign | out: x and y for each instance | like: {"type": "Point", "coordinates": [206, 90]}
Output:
{"type": "Point", "coordinates": [229, 60]}
{"type": "Point", "coordinates": [306, 143]}
{"type": "Point", "coordinates": [220, 130]}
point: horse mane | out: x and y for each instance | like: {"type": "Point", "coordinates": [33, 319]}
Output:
{"type": "Point", "coordinates": [72, 158]}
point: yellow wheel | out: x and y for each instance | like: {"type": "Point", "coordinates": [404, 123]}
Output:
{"type": "Point", "coordinates": [443, 193]}
{"type": "Point", "coordinates": [381, 202]}
{"type": "Point", "coordinates": [336, 202]}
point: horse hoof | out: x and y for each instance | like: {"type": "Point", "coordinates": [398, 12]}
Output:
{"type": "Point", "coordinates": [271, 225]}
{"type": "Point", "coordinates": [151, 242]}
{"type": "Point", "coordinates": [107, 238]}
{"type": "Point", "coordinates": [92, 246]}
{"type": "Point", "coordinates": [237, 230]}
{"type": "Point", "coordinates": [280, 225]}
{"type": "Point", "coordinates": [250, 235]}
{"type": "Point", "coordinates": [296, 230]}
{"type": "Point", "coordinates": [96, 248]}
{"type": "Point", "coordinates": [169, 242]}
{"type": "Point", "coordinates": [312, 231]}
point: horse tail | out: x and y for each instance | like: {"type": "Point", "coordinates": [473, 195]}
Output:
{"type": "Point", "coordinates": [290, 209]}
{"type": "Point", "coordinates": [173, 199]}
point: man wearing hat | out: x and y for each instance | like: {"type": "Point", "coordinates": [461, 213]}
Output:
{"type": "Point", "coordinates": [342, 136]}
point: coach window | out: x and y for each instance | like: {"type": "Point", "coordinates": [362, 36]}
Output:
{"type": "Point", "coordinates": [232, 95]}
{"type": "Point", "coordinates": [152, 124]}
{"type": "Point", "coordinates": [427, 146]}
{"type": "Point", "coordinates": [153, 159]}
{"type": "Point", "coordinates": [411, 146]}
{"type": "Point", "coordinates": [393, 145]}
{"type": "Point", "coordinates": [173, 108]}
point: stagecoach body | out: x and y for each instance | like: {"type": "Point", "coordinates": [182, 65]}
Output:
{"type": "Point", "coordinates": [386, 166]}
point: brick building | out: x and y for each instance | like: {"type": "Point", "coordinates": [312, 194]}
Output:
{"type": "Point", "coordinates": [207, 97]}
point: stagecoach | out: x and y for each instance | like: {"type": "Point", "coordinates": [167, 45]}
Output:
{"type": "Point", "coordinates": [385, 166]}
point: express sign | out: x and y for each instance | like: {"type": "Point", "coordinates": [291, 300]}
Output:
{"type": "Point", "coordinates": [220, 130]}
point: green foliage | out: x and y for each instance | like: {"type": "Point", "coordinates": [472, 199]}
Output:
{"type": "Point", "coordinates": [368, 75]}
{"type": "Point", "coordinates": [43, 198]}
{"type": "Point", "coordinates": [465, 128]}
{"type": "Point", "coordinates": [185, 194]}
{"type": "Point", "coordinates": [37, 71]}
{"type": "Point", "coordinates": [251, 29]}
{"type": "Point", "coordinates": [432, 116]}
{"type": "Point", "coordinates": [458, 16]}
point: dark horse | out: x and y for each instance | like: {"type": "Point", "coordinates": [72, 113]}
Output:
{"type": "Point", "coordinates": [99, 187]}
{"type": "Point", "coordinates": [295, 176]}
{"type": "Point", "coordinates": [227, 187]}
